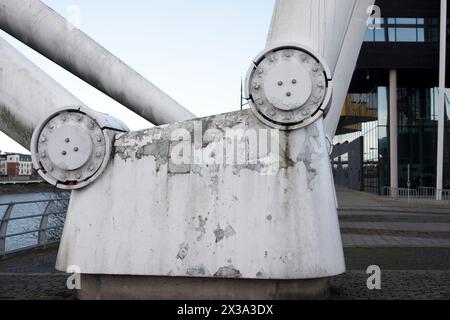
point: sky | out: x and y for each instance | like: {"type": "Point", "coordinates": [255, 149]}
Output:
{"type": "Point", "coordinates": [196, 51]}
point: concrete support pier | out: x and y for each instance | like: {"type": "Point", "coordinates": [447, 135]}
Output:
{"type": "Point", "coordinates": [114, 287]}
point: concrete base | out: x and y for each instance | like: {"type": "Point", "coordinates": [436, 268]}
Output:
{"type": "Point", "coordinates": [113, 287]}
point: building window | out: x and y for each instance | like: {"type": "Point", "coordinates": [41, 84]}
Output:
{"type": "Point", "coordinates": [405, 30]}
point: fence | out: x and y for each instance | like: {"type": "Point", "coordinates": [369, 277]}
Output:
{"type": "Point", "coordinates": [32, 223]}
{"type": "Point", "coordinates": [418, 193]}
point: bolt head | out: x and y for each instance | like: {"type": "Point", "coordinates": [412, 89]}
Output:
{"type": "Point", "coordinates": [43, 155]}
{"type": "Point", "coordinates": [294, 81]}
{"type": "Point", "coordinates": [288, 94]}
{"type": "Point", "coordinates": [280, 83]}
{"type": "Point", "coordinates": [76, 149]}
{"type": "Point", "coordinates": [64, 153]}
{"type": "Point", "coordinates": [67, 140]}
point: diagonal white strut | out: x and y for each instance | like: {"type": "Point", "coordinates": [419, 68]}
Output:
{"type": "Point", "coordinates": [334, 29]}
{"type": "Point", "coordinates": [27, 95]}
{"type": "Point", "coordinates": [39, 27]}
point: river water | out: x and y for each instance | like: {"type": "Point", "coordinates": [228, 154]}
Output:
{"type": "Point", "coordinates": [55, 221]}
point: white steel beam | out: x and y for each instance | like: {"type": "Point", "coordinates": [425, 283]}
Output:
{"type": "Point", "coordinates": [27, 95]}
{"type": "Point", "coordinates": [41, 28]}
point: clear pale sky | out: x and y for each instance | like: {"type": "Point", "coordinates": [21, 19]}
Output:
{"type": "Point", "coordinates": [196, 51]}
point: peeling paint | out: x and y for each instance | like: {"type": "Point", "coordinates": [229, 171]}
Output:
{"type": "Point", "coordinates": [221, 233]}
{"type": "Point", "coordinates": [261, 275]}
{"type": "Point", "coordinates": [201, 227]}
{"type": "Point", "coordinates": [182, 253]}
{"type": "Point", "coordinates": [228, 272]}
{"type": "Point", "coordinates": [198, 271]}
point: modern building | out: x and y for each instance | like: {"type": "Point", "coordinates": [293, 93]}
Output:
{"type": "Point", "coordinates": [400, 57]}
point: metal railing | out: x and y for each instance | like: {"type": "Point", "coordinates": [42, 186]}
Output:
{"type": "Point", "coordinates": [418, 193]}
{"type": "Point", "coordinates": [54, 209]}
{"type": "Point", "coordinates": [400, 193]}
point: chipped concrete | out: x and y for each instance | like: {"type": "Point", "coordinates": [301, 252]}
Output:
{"type": "Point", "coordinates": [198, 271]}
{"type": "Point", "coordinates": [228, 272]}
{"type": "Point", "coordinates": [221, 233]}
{"type": "Point", "coordinates": [183, 251]}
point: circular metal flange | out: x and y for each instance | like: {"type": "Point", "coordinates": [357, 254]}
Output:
{"type": "Point", "coordinates": [288, 87]}
{"type": "Point", "coordinates": [70, 149]}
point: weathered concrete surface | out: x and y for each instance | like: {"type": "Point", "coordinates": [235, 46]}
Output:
{"type": "Point", "coordinates": [270, 218]}
{"type": "Point", "coordinates": [104, 287]}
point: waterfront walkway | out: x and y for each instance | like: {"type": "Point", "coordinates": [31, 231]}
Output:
{"type": "Point", "coordinates": [410, 242]}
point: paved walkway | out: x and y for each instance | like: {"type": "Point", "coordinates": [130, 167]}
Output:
{"type": "Point", "coordinates": [410, 242]}
{"type": "Point", "coordinates": [371, 221]}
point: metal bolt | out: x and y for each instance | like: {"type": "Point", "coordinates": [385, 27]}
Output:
{"type": "Point", "coordinates": [75, 149]}
{"type": "Point", "coordinates": [50, 168]}
{"type": "Point", "coordinates": [91, 168]}
{"type": "Point", "coordinates": [288, 94]}
{"type": "Point", "coordinates": [91, 125]}
{"type": "Point", "coordinates": [320, 85]}
{"type": "Point", "coordinates": [294, 81]}
{"type": "Point", "coordinates": [43, 155]}
{"type": "Point", "coordinates": [98, 154]}
{"type": "Point", "coordinates": [256, 87]}
{"type": "Point", "coordinates": [99, 139]}
{"type": "Point", "coordinates": [43, 139]}
{"type": "Point", "coordinates": [67, 140]}
{"type": "Point", "coordinates": [261, 71]}
{"type": "Point", "coordinates": [50, 126]}
{"type": "Point", "coordinates": [64, 153]}
{"type": "Point", "coordinates": [280, 83]}
{"type": "Point", "coordinates": [315, 69]}
{"type": "Point", "coordinates": [260, 102]}
{"type": "Point", "coordinates": [63, 118]}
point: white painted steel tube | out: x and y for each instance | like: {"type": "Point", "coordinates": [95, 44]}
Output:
{"type": "Point", "coordinates": [27, 95]}
{"type": "Point", "coordinates": [41, 28]}
{"type": "Point", "coordinates": [335, 29]}
{"type": "Point", "coordinates": [346, 64]}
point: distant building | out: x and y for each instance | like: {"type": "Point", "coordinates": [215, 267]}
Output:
{"type": "Point", "coordinates": [399, 58]}
{"type": "Point", "coordinates": [16, 165]}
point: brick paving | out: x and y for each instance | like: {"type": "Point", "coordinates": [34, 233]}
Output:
{"type": "Point", "coordinates": [39, 286]}
{"type": "Point", "coordinates": [399, 285]}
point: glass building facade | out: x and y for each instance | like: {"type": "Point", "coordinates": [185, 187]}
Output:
{"type": "Point", "coordinates": [417, 138]}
